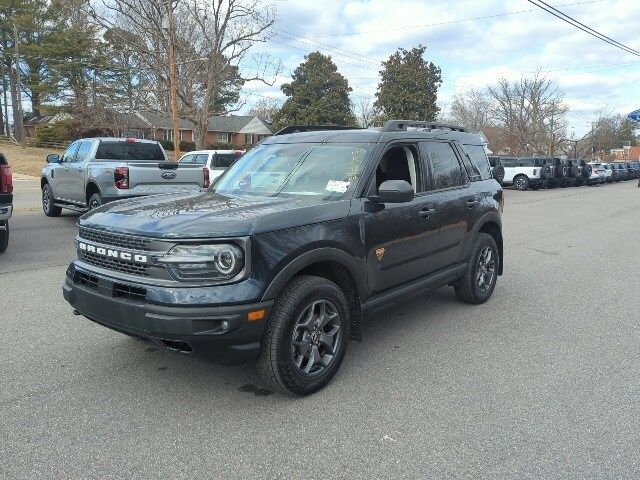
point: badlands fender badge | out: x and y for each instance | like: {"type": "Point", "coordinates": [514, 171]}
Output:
{"type": "Point", "coordinates": [380, 253]}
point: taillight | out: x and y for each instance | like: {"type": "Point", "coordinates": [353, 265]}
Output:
{"type": "Point", "coordinates": [205, 182]}
{"type": "Point", "coordinates": [6, 179]}
{"type": "Point", "coordinates": [121, 177]}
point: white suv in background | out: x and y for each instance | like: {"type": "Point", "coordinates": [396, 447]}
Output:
{"type": "Point", "coordinates": [598, 173]}
{"type": "Point", "coordinates": [524, 173]}
{"type": "Point", "coordinates": [217, 161]}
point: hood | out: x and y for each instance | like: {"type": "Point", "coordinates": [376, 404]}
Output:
{"type": "Point", "coordinates": [208, 214]}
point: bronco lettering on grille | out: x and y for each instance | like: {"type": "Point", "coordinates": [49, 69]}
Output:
{"type": "Point", "coordinates": [108, 252]}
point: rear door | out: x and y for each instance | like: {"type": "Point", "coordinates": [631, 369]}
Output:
{"type": "Point", "coordinates": [457, 201]}
{"type": "Point", "coordinates": [60, 182]}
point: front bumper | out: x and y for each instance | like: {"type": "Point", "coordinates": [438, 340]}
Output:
{"type": "Point", "coordinates": [5, 212]}
{"type": "Point", "coordinates": [222, 334]}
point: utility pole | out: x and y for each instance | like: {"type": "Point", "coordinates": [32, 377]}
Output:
{"type": "Point", "coordinates": [173, 82]}
{"type": "Point", "coordinates": [17, 122]}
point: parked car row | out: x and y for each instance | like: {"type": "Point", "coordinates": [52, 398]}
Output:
{"type": "Point", "coordinates": [524, 173]}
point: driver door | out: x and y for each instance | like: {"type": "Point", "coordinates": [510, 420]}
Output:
{"type": "Point", "coordinates": [401, 239]}
{"type": "Point", "coordinates": [60, 178]}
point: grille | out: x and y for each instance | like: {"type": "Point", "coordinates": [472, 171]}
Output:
{"type": "Point", "coordinates": [116, 240]}
{"type": "Point", "coordinates": [129, 292]}
{"type": "Point", "coordinates": [113, 263]}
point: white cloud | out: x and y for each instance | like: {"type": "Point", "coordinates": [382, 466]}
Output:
{"type": "Point", "coordinates": [471, 53]}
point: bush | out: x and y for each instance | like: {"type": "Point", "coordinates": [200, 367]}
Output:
{"type": "Point", "coordinates": [187, 146]}
{"type": "Point", "coordinates": [226, 146]}
{"type": "Point", "coordinates": [166, 144]}
{"type": "Point", "coordinates": [51, 134]}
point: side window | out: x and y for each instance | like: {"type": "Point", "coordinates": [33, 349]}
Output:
{"type": "Point", "coordinates": [187, 159]}
{"type": "Point", "coordinates": [69, 156]}
{"type": "Point", "coordinates": [478, 157]}
{"type": "Point", "coordinates": [201, 159]}
{"type": "Point", "coordinates": [445, 167]}
{"type": "Point", "coordinates": [400, 162]}
{"type": "Point", "coordinates": [223, 160]}
{"type": "Point", "coordinates": [83, 151]}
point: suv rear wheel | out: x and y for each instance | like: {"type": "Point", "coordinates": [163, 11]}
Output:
{"type": "Point", "coordinates": [480, 278]}
{"type": "Point", "coordinates": [306, 336]}
{"type": "Point", "coordinates": [48, 206]}
{"type": "Point", "coordinates": [95, 201]}
{"type": "Point", "coordinates": [521, 182]}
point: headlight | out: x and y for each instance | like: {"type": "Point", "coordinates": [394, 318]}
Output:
{"type": "Point", "coordinates": [204, 262]}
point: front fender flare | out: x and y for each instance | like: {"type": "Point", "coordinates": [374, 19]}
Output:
{"type": "Point", "coordinates": [322, 254]}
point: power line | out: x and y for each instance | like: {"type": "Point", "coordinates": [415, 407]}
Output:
{"type": "Point", "coordinates": [589, 28]}
{"type": "Point", "coordinates": [437, 24]}
{"type": "Point", "coordinates": [584, 28]}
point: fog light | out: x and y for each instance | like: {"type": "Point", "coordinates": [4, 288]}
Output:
{"type": "Point", "coordinates": [224, 325]}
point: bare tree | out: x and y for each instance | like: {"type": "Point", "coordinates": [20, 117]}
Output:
{"type": "Point", "coordinates": [472, 110]}
{"type": "Point", "coordinates": [530, 115]}
{"type": "Point", "coordinates": [364, 110]}
{"type": "Point", "coordinates": [266, 107]}
{"type": "Point", "coordinates": [213, 43]}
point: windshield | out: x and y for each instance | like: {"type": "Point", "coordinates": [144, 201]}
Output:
{"type": "Point", "coordinates": [323, 171]}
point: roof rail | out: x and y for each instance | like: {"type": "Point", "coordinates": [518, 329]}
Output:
{"type": "Point", "coordinates": [312, 128]}
{"type": "Point", "coordinates": [394, 125]}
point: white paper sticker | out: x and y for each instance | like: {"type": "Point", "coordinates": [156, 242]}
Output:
{"type": "Point", "coordinates": [337, 186]}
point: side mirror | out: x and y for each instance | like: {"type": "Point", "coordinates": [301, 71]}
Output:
{"type": "Point", "coordinates": [394, 191]}
{"type": "Point", "coordinates": [53, 158]}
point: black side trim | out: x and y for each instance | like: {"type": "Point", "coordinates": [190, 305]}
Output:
{"type": "Point", "coordinates": [405, 291]}
{"type": "Point", "coordinates": [418, 257]}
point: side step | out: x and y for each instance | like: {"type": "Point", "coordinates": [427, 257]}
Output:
{"type": "Point", "coordinates": [405, 292]}
{"type": "Point", "coordinates": [70, 206]}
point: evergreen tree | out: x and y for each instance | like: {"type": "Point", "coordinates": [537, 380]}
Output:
{"type": "Point", "coordinates": [408, 87]}
{"type": "Point", "coordinates": [318, 95]}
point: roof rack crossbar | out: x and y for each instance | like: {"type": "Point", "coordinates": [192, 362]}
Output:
{"type": "Point", "coordinates": [395, 125]}
{"type": "Point", "coordinates": [311, 128]}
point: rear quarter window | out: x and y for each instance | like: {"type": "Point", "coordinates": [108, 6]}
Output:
{"type": "Point", "coordinates": [114, 150]}
{"type": "Point", "coordinates": [479, 160]}
{"type": "Point", "coordinates": [224, 160]}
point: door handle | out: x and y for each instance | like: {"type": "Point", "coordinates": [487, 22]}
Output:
{"type": "Point", "coordinates": [426, 212]}
{"type": "Point", "coordinates": [472, 203]}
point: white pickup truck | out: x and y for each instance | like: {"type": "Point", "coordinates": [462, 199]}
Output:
{"type": "Point", "coordinates": [93, 171]}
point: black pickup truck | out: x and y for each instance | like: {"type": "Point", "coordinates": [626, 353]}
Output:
{"type": "Point", "coordinates": [6, 201]}
{"type": "Point", "coordinates": [287, 253]}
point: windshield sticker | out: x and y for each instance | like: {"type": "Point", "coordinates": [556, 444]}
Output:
{"type": "Point", "coordinates": [337, 186]}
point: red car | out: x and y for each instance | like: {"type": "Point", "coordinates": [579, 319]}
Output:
{"type": "Point", "coordinates": [6, 201]}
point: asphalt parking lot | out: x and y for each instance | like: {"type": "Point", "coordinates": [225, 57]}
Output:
{"type": "Point", "coordinates": [541, 381]}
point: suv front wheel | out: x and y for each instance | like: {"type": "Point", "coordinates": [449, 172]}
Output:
{"type": "Point", "coordinates": [482, 272]}
{"type": "Point", "coordinates": [306, 336]}
{"type": "Point", "coordinates": [48, 203]}
{"type": "Point", "coordinates": [521, 182]}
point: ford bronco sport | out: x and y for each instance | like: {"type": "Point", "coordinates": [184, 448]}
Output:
{"type": "Point", "coordinates": [291, 248]}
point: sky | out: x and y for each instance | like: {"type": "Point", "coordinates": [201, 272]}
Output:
{"type": "Point", "coordinates": [474, 42]}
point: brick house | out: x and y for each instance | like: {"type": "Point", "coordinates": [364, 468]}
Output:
{"type": "Point", "coordinates": [625, 153]}
{"type": "Point", "coordinates": [237, 130]}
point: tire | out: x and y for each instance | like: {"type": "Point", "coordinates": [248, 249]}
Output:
{"type": "Point", "coordinates": [545, 172]}
{"type": "Point", "coordinates": [4, 236]}
{"type": "Point", "coordinates": [469, 289]}
{"type": "Point", "coordinates": [48, 205]}
{"type": "Point", "coordinates": [521, 182]}
{"type": "Point", "coordinates": [586, 171]}
{"type": "Point", "coordinates": [282, 363]}
{"type": "Point", "coordinates": [534, 187]}
{"type": "Point", "coordinates": [95, 201]}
